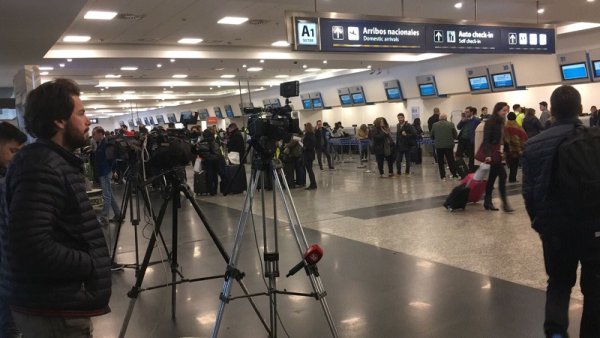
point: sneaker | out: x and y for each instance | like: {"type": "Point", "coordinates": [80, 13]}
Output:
{"type": "Point", "coordinates": [116, 267]}
{"type": "Point", "coordinates": [444, 179]}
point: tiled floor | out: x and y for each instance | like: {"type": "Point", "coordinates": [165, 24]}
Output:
{"type": "Point", "coordinates": [396, 264]}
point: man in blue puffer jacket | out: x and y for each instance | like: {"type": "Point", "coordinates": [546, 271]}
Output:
{"type": "Point", "coordinates": [55, 265]}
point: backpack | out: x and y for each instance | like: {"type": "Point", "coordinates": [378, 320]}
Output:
{"type": "Point", "coordinates": [578, 169]}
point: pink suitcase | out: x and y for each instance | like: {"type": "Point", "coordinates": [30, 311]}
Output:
{"type": "Point", "coordinates": [477, 188]}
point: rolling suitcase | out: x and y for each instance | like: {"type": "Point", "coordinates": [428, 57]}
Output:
{"type": "Point", "coordinates": [458, 198]}
{"type": "Point", "coordinates": [477, 188]}
{"type": "Point", "coordinates": [417, 155]}
{"type": "Point", "coordinates": [200, 183]}
{"type": "Point", "coordinates": [461, 167]}
{"type": "Point", "coordinates": [239, 182]}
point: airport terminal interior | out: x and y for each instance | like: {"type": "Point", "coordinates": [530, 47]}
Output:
{"type": "Point", "coordinates": [395, 262]}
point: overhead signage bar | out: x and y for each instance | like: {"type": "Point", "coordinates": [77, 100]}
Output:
{"type": "Point", "coordinates": [350, 35]}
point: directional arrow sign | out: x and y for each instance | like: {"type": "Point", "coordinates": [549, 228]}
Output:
{"type": "Point", "coordinates": [338, 32]}
{"type": "Point", "coordinates": [438, 36]}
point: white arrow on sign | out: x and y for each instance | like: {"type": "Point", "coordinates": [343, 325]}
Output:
{"type": "Point", "coordinates": [438, 36]}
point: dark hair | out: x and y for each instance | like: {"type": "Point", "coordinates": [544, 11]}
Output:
{"type": "Point", "coordinates": [565, 102]}
{"type": "Point", "coordinates": [417, 122]}
{"type": "Point", "coordinates": [52, 101]}
{"type": "Point", "coordinates": [496, 118]}
{"type": "Point", "coordinates": [308, 128]}
{"type": "Point", "coordinates": [98, 130]}
{"type": "Point", "coordinates": [544, 103]}
{"type": "Point", "coordinates": [400, 114]}
{"type": "Point", "coordinates": [511, 116]}
{"type": "Point", "coordinates": [515, 106]}
{"type": "Point", "coordinates": [9, 132]}
{"type": "Point", "coordinates": [473, 110]}
{"type": "Point", "coordinates": [530, 111]}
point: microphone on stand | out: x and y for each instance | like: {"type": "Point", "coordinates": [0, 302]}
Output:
{"type": "Point", "coordinates": [312, 255]}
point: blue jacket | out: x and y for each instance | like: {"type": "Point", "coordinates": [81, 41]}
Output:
{"type": "Point", "coordinates": [543, 201]}
{"type": "Point", "coordinates": [102, 166]}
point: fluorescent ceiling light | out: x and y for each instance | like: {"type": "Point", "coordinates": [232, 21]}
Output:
{"type": "Point", "coordinates": [129, 92]}
{"type": "Point", "coordinates": [61, 65]}
{"type": "Point", "coordinates": [232, 20]}
{"type": "Point", "coordinates": [180, 76]}
{"type": "Point", "coordinates": [282, 76]}
{"type": "Point", "coordinates": [574, 27]}
{"type": "Point", "coordinates": [227, 76]}
{"type": "Point", "coordinates": [44, 73]}
{"type": "Point", "coordinates": [280, 43]}
{"type": "Point", "coordinates": [312, 70]}
{"type": "Point", "coordinates": [541, 11]}
{"type": "Point", "coordinates": [325, 61]}
{"type": "Point", "coordinates": [458, 5]}
{"type": "Point", "coordinates": [69, 60]}
{"type": "Point", "coordinates": [158, 65]}
{"type": "Point", "coordinates": [100, 15]}
{"type": "Point", "coordinates": [167, 92]}
{"type": "Point", "coordinates": [190, 41]}
{"type": "Point", "coordinates": [46, 68]}
{"type": "Point", "coordinates": [76, 38]}
{"type": "Point", "coordinates": [129, 68]}
{"type": "Point", "coordinates": [112, 76]}
{"type": "Point", "coordinates": [254, 69]}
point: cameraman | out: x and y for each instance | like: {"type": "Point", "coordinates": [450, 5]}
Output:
{"type": "Point", "coordinates": [103, 163]}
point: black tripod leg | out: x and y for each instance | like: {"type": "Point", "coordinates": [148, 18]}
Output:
{"type": "Point", "coordinates": [124, 202]}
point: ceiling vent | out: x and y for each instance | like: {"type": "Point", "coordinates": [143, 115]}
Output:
{"type": "Point", "coordinates": [130, 16]}
{"type": "Point", "coordinates": [257, 21]}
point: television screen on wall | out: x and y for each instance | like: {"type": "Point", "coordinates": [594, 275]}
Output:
{"type": "Point", "coordinates": [393, 93]}
{"type": "Point", "coordinates": [574, 71]}
{"type": "Point", "coordinates": [479, 83]}
{"type": "Point", "coordinates": [427, 89]}
{"type": "Point", "coordinates": [186, 117]}
{"type": "Point", "coordinates": [358, 98]}
{"type": "Point", "coordinates": [346, 100]}
{"type": "Point", "coordinates": [596, 66]}
{"type": "Point", "coordinates": [228, 110]}
{"type": "Point", "coordinates": [218, 112]}
{"type": "Point", "coordinates": [152, 122]}
{"type": "Point", "coordinates": [160, 119]}
{"type": "Point", "coordinates": [172, 118]}
{"type": "Point", "coordinates": [317, 103]}
{"type": "Point", "coordinates": [502, 80]}
{"type": "Point", "coordinates": [307, 104]}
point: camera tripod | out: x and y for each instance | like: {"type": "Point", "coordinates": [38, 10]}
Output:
{"type": "Point", "coordinates": [264, 166]}
{"type": "Point", "coordinates": [172, 194]}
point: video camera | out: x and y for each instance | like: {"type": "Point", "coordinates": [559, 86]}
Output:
{"type": "Point", "coordinates": [169, 148]}
{"type": "Point", "coordinates": [275, 123]}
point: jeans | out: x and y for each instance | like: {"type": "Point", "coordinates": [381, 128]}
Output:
{"type": "Point", "coordinates": [390, 160]}
{"type": "Point", "coordinates": [465, 147]}
{"type": "Point", "coordinates": [513, 167]}
{"type": "Point", "coordinates": [50, 327]}
{"type": "Point", "coordinates": [447, 153]}
{"type": "Point", "coordinates": [406, 154]}
{"type": "Point", "coordinates": [308, 164]}
{"type": "Point", "coordinates": [326, 152]}
{"type": "Point", "coordinates": [563, 250]}
{"type": "Point", "coordinates": [108, 198]}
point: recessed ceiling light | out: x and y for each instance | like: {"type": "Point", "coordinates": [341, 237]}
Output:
{"type": "Point", "coordinates": [158, 65]}
{"type": "Point", "coordinates": [232, 20]}
{"type": "Point", "coordinates": [590, 0]}
{"type": "Point", "coordinates": [458, 5]}
{"type": "Point", "coordinates": [172, 60]}
{"type": "Point", "coordinates": [282, 76]}
{"type": "Point", "coordinates": [112, 76]}
{"type": "Point", "coordinates": [369, 66]}
{"type": "Point", "coordinates": [541, 11]}
{"type": "Point", "coordinates": [44, 73]}
{"type": "Point", "coordinates": [219, 69]}
{"type": "Point", "coordinates": [262, 61]}
{"type": "Point", "coordinates": [210, 88]}
{"type": "Point", "coordinates": [180, 76]}
{"type": "Point", "coordinates": [101, 89]}
{"type": "Point", "coordinates": [46, 68]}
{"type": "Point", "coordinates": [167, 92]}
{"type": "Point", "coordinates": [190, 41]}
{"type": "Point", "coordinates": [62, 65]}
{"type": "Point", "coordinates": [76, 38]}
{"type": "Point", "coordinates": [129, 92]}
{"type": "Point", "coordinates": [69, 60]}
{"type": "Point", "coordinates": [130, 68]}
{"type": "Point", "coordinates": [281, 43]}
{"type": "Point", "coordinates": [227, 76]}
{"type": "Point", "coordinates": [244, 66]}
{"type": "Point", "coordinates": [312, 70]}
{"type": "Point", "coordinates": [325, 61]}
{"type": "Point", "coordinates": [100, 15]}
{"type": "Point", "coordinates": [255, 69]}
{"type": "Point", "coordinates": [304, 66]}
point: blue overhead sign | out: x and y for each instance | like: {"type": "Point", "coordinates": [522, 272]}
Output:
{"type": "Point", "coordinates": [347, 35]}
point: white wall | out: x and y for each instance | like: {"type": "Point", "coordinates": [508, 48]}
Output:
{"type": "Point", "coordinates": [539, 73]}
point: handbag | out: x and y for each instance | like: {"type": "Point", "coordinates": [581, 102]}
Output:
{"type": "Point", "coordinates": [496, 154]}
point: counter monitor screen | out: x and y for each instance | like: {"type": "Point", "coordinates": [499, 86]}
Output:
{"type": "Point", "coordinates": [186, 117]}
{"type": "Point", "coordinates": [307, 104]}
{"type": "Point", "coordinates": [172, 118]}
{"type": "Point", "coordinates": [345, 100]}
{"type": "Point", "coordinates": [427, 89]}
{"type": "Point", "coordinates": [317, 103]}
{"type": "Point", "coordinates": [358, 98]}
{"type": "Point", "coordinates": [479, 83]}
{"type": "Point", "coordinates": [393, 93]}
{"type": "Point", "coordinates": [503, 80]}
{"type": "Point", "coordinates": [574, 71]}
{"type": "Point", "coordinates": [151, 119]}
{"type": "Point", "coordinates": [596, 68]}
{"type": "Point", "coordinates": [160, 119]}
{"type": "Point", "coordinates": [138, 121]}
{"type": "Point", "coordinates": [228, 111]}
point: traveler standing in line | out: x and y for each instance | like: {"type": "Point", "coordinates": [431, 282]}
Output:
{"type": "Point", "coordinates": [406, 140]}
{"type": "Point", "coordinates": [594, 117]}
{"type": "Point", "coordinates": [309, 141]}
{"type": "Point", "coordinates": [57, 272]}
{"type": "Point", "coordinates": [11, 140]}
{"type": "Point", "coordinates": [322, 144]}
{"type": "Point", "coordinates": [519, 112]}
{"type": "Point", "coordinates": [103, 170]}
{"type": "Point", "coordinates": [466, 137]}
{"type": "Point", "coordinates": [433, 119]}
{"type": "Point", "coordinates": [567, 230]}
{"type": "Point", "coordinates": [492, 154]}
{"type": "Point", "coordinates": [544, 115]}
{"type": "Point", "coordinates": [235, 141]}
{"type": "Point", "coordinates": [362, 135]}
{"type": "Point", "coordinates": [443, 134]}
{"type": "Point", "coordinates": [484, 113]}
{"type": "Point", "coordinates": [531, 123]}
{"type": "Point", "coordinates": [515, 138]}
{"type": "Point", "coordinates": [383, 145]}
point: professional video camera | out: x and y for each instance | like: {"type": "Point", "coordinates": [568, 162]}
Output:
{"type": "Point", "coordinates": [275, 123]}
{"type": "Point", "coordinates": [169, 148]}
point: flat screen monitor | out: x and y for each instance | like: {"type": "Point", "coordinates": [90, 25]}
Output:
{"type": "Point", "coordinates": [596, 65]}
{"type": "Point", "coordinates": [130, 123]}
{"type": "Point", "coordinates": [393, 93]}
{"type": "Point", "coordinates": [228, 111]}
{"type": "Point", "coordinates": [574, 71]}
{"type": "Point", "coordinates": [160, 119]}
{"type": "Point", "coordinates": [275, 103]}
{"type": "Point", "coordinates": [307, 104]}
{"type": "Point", "coordinates": [172, 118]}
{"type": "Point", "coordinates": [152, 122]}
{"type": "Point", "coordinates": [502, 80]}
{"type": "Point", "coordinates": [317, 103]}
{"type": "Point", "coordinates": [479, 83]}
{"type": "Point", "coordinates": [186, 117]}
{"type": "Point", "coordinates": [218, 112]}
{"type": "Point", "coordinates": [427, 89]}
{"type": "Point", "coordinates": [358, 98]}
{"type": "Point", "coordinates": [345, 99]}
{"type": "Point", "coordinates": [138, 121]}
{"type": "Point", "coordinates": [146, 121]}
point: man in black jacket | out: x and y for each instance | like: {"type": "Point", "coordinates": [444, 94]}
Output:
{"type": "Point", "coordinates": [406, 139]}
{"type": "Point", "coordinates": [322, 145]}
{"type": "Point", "coordinates": [566, 240]}
{"type": "Point", "coordinates": [56, 274]}
{"type": "Point", "coordinates": [11, 140]}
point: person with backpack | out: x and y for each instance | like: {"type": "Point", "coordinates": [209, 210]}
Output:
{"type": "Point", "coordinates": [104, 158]}
{"type": "Point", "coordinates": [561, 189]}
{"type": "Point", "coordinates": [406, 140]}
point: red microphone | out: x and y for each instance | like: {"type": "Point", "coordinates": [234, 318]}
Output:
{"type": "Point", "coordinates": [311, 257]}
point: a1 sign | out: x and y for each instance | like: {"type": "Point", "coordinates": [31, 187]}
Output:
{"type": "Point", "coordinates": [307, 33]}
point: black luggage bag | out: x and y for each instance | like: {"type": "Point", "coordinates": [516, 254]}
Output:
{"type": "Point", "coordinates": [417, 155]}
{"type": "Point", "coordinates": [239, 182]}
{"type": "Point", "coordinates": [200, 183]}
{"type": "Point", "coordinates": [458, 198]}
{"type": "Point", "coordinates": [289, 170]}
{"type": "Point", "coordinates": [462, 169]}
